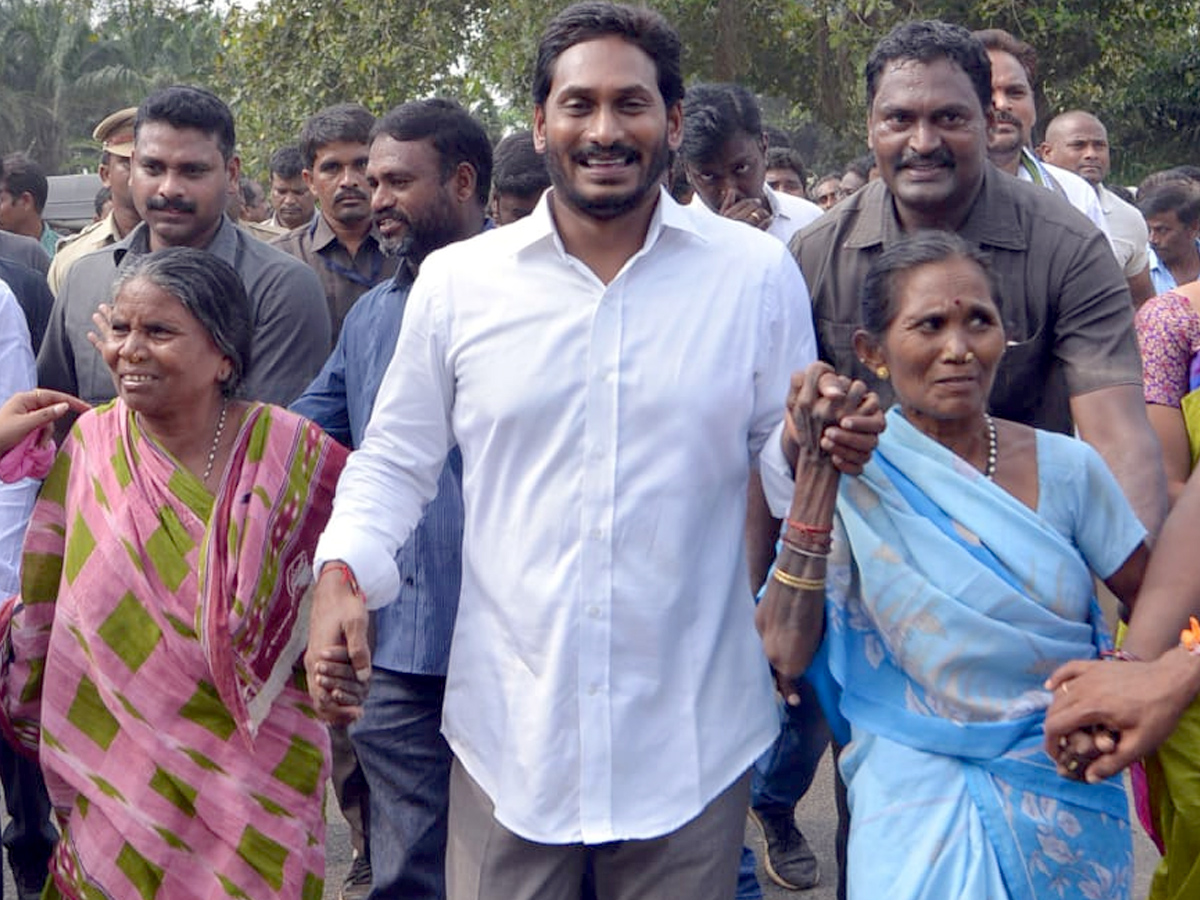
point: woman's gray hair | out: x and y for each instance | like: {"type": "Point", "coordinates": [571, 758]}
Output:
{"type": "Point", "coordinates": [208, 288]}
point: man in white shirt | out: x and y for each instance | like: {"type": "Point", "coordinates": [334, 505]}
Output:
{"type": "Point", "coordinates": [1014, 116]}
{"type": "Point", "coordinates": [724, 153]}
{"type": "Point", "coordinates": [1078, 141]}
{"type": "Point", "coordinates": [606, 686]}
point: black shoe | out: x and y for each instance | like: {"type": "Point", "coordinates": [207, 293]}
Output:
{"type": "Point", "coordinates": [789, 861]}
{"type": "Point", "coordinates": [358, 880]}
{"type": "Point", "coordinates": [29, 884]}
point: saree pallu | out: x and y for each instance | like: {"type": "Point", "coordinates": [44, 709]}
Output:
{"type": "Point", "coordinates": [1172, 772]}
{"type": "Point", "coordinates": [949, 603]}
{"type": "Point", "coordinates": [152, 661]}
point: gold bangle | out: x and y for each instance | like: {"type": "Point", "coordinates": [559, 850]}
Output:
{"type": "Point", "coordinates": [800, 584]}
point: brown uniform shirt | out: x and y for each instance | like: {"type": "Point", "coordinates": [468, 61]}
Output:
{"type": "Point", "coordinates": [343, 279]}
{"type": "Point", "coordinates": [1064, 302]}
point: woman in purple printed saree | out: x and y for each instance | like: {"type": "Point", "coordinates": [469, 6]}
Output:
{"type": "Point", "coordinates": [151, 659]}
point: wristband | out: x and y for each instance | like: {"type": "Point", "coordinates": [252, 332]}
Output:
{"type": "Point", "coordinates": [798, 583]}
{"type": "Point", "coordinates": [347, 577]}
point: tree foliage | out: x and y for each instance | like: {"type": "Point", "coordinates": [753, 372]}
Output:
{"type": "Point", "coordinates": [67, 63]}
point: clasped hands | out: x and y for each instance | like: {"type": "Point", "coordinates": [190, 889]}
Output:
{"type": "Point", "coordinates": [830, 418]}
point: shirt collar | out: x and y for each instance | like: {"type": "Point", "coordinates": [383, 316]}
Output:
{"type": "Point", "coordinates": [992, 220]}
{"type": "Point", "coordinates": [224, 243]}
{"type": "Point", "coordinates": [323, 235]}
{"type": "Point", "coordinates": [539, 228]}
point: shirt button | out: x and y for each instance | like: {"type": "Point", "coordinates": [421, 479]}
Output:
{"type": "Point", "coordinates": [596, 534]}
{"type": "Point", "coordinates": [593, 690]}
{"type": "Point", "coordinates": [594, 612]}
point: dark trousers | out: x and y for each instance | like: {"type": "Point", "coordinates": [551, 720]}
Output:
{"type": "Point", "coordinates": [29, 837]}
{"type": "Point", "coordinates": [406, 762]}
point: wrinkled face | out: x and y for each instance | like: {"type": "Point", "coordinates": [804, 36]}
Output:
{"type": "Point", "coordinates": [414, 206]}
{"type": "Point", "coordinates": [181, 184]}
{"type": "Point", "coordinates": [1014, 114]}
{"type": "Point", "coordinates": [1172, 239]}
{"type": "Point", "coordinates": [511, 207]}
{"type": "Point", "coordinates": [1080, 145]}
{"type": "Point", "coordinates": [294, 203]}
{"type": "Point", "coordinates": [338, 177]}
{"type": "Point", "coordinates": [826, 193]}
{"type": "Point", "coordinates": [166, 360]}
{"type": "Point", "coordinates": [605, 130]}
{"type": "Point", "coordinates": [786, 181]}
{"type": "Point", "coordinates": [929, 135]}
{"type": "Point", "coordinates": [945, 341]}
{"type": "Point", "coordinates": [737, 172]}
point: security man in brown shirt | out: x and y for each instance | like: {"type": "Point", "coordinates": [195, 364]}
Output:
{"type": "Point", "coordinates": [1072, 358]}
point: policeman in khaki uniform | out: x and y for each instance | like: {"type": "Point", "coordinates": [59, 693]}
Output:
{"type": "Point", "coordinates": [115, 135]}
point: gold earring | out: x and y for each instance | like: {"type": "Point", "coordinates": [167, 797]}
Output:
{"type": "Point", "coordinates": [882, 373]}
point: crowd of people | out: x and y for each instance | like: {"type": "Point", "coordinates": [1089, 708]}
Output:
{"type": "Point", "coordinates": [563, 500]}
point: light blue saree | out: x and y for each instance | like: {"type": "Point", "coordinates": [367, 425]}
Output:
{"type": "Point", "coordinates": [949, 603]}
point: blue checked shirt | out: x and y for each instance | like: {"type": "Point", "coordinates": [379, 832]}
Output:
{"type": "Point", "coordinates": [412, 635]}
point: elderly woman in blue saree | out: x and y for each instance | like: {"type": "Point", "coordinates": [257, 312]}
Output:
{"type": "Point", "coordinates": [955, 576]}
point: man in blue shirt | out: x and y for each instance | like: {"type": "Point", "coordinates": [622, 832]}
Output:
{"type": "Point", "coordinates": [429, 171]}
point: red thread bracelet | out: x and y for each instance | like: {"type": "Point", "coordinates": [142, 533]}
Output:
{"type": "Point", "coordinates": [811, 530]}
{"type": "Point", "coordinates": [347, 577]}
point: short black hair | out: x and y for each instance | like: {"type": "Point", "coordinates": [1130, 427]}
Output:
{"type": "Point", "coordinates": [455, 134]}
{"type": "Point", "coordinates": [592, 20]}
{"type": "Point", "coordinates": [251, 190]}
{"type": "Point", "coordinates": [926, 41]}
{"type": "Point", "coordinates": [714, 113]}
{"type": "Point", "coordinates": [211, 290]}
{"type": "Point", "coordinates": [287, 163]}
{"type": "Point", "coordinates": [918, 248]}
{"type": "Point", "coordinates": [347, 122]}
{"type": "Point", "coordinates": [21, 175]}
{"type": "Point", "coordinates": [862, 165]}
{"type": "Point", "coordinates": [786, 158]}
{"type": "Point", "coordinates": [1180, 197]}
{"type": "Point", "coordinates": [1003, 42]}
{"type": "Point", "coordinates": [519, 168]}
{"type": "Point", "coordinates": [185, 106]}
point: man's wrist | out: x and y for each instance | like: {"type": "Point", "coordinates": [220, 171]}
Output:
{"type": "Point", "coordinates": [340, 569]}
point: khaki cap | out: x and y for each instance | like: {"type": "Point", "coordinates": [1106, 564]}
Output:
{"type": "Point", "coordinates": [115, 133]}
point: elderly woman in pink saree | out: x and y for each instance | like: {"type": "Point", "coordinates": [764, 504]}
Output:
{"type": "Point", "coordinates": [151, 659]}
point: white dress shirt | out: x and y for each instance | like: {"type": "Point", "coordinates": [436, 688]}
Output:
{"type": "Point", "coordinates": [789, 213]}
{"type": "Point", "coordinates": [1127, 228]}
{"type": "Point", "coordinates": [606, 680]}
{"type": "Point", "coordinates": [1075, 189]}
{"type": "Point", "coordinates": [17, 373]}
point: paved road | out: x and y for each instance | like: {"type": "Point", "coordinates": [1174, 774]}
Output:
{"type": "Point", "coordinates": [816, 816]}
